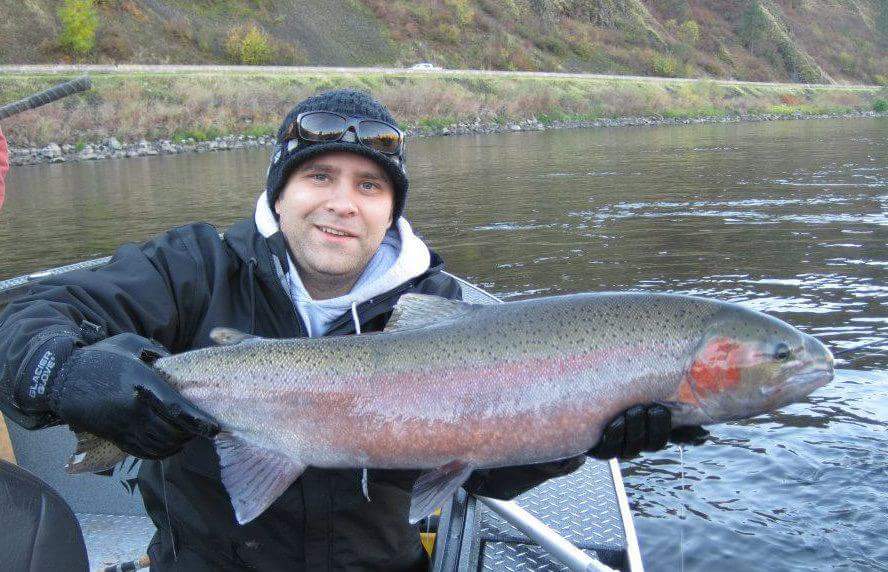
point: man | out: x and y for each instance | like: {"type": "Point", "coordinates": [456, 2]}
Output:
{"type": "Point", "coordinates": [326, 253]}
{"type": "Point", "coordinates": [4, 166]}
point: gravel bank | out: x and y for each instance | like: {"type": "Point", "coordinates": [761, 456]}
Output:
{"type": "Point", "coordinates": [114, 149]}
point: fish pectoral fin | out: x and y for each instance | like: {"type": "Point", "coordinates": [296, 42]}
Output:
{"type": "Point", "coordinates": [230, 336]}
{"type": "Point", "coordinates": [433, 488]}
{"type": "Point", "coordinates": [253, 476]}
{"type": "Point", "coordinates": [93, 454]}
{"type": "Point", "coordinates": [420, 310]}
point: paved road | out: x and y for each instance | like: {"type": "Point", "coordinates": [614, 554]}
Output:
{"type": "Point", "coordinates": [283, 70]}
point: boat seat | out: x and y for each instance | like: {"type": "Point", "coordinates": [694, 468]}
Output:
{"type": "Point", "coordinates": [40, 531]}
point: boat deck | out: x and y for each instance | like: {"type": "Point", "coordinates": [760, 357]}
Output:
{"type": "Point", "coordinates": [583, 507]}
{"type": "Point", "coordinates": [113, 538]}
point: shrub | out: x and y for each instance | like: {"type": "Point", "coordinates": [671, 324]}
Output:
{"type": "Point", "coordinates": [754, 27]}
{"type": "Point", "coordinates": [689, 33]}
{"type": "Point", "coordinates": [179, 28]}
{"type": "Point", "coordinates": [880, 105]}
{"type": "Point", "coordinates": [674, 8]}
{"type": "Point", "coordinates": [79, 22]}
{"type": "Point", "coordinates": [434, 123]}
{"type": "Point", "coordinates": [781, 110]}
{"type": "Point", "coordinates": [261, 130]}
{"type": "Point", "coordinates": [197, 133]}
{"type": "Point", "coordinates": [664, 66]}
{"type": "Point", "coordinates": [249, 45]}
{"type": "Point", "coordinates": [114, 44]}
{"type": "Point", "coordinates": [847, 63]}
{"type": "Point", "coordinates": [464, 12]}
{"type": "Point", "coordinates": [808, 74]}
{"type": "Point", "coordinates": [133, 10]}
{"type": "Point", "coordinates": [256, 49]}
{"type": "Point", "coordinates": [447, 33]}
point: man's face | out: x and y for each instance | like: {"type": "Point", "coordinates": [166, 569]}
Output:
{"type": "Point", "coordinates": [334, 212]}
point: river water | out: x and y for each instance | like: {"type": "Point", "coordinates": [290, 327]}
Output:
{"type": "Point", "coordinates": [785, 217]}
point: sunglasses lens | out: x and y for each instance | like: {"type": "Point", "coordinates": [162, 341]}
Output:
{"type": "Point", "coordinates": [322, 127]}
{"type": "Point", "coordinates": [380, 136]}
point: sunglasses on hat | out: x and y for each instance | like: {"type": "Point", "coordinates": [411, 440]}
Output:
{"type": "Point", "coordinates": [327, 127]}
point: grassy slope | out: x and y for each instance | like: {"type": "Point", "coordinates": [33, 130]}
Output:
{"type": "Point", "coordinates": [178, 32]}
{"type": "Point", "coordinates": [205, 105]}
{"type": "Point", "coordinates": [796, 40]}
{"type": "Point", "coordinates": [781, 40]}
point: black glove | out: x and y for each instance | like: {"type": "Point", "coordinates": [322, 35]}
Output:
{"type": "Point", "coordinates": [642, 428]}
{"type": "Point", "coordinates": [107, 390]}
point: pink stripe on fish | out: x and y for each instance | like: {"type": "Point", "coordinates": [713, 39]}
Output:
{"type": "Point", "coordinates": [507, 372]}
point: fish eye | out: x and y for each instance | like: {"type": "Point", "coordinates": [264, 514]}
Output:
{"type": "Point", "coordinates": [781, 352]}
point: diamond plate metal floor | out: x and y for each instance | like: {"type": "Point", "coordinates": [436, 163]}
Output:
{"type": "Point", "coordinates": [582, 507]}
{"type": "Point", "coordinates": [515, 557]}
{"type": "Point", "coordinates": [114, 538]}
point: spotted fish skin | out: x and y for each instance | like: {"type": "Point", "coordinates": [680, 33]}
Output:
{"type": "Point", "coordinates": [473, 386]}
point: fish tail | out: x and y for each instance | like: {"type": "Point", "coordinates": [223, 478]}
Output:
{"type": "Point", "coordinates": [93, 454]}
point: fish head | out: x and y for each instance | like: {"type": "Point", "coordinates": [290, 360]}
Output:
{"type": "Point", "coordinates": [747, 363]}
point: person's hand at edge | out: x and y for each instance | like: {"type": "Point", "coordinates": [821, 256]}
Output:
{"type": "Point", "coordinates": [108, 390]}
{"type": "Point", "coordinates": [643, 428]}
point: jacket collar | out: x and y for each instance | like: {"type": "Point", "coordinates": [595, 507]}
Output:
{"type": "Point", "coordinates": [248, 244]}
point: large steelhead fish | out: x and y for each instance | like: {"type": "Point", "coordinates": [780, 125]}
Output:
{"type": "Point", "coordinates": [453, 387]}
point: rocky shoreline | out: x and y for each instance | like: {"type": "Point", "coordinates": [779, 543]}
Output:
{"type": "Point", "coordinates": [111, 148]}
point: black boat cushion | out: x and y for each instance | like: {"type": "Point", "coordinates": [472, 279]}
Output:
{"type": "Point", "coordinates": [39, 530]}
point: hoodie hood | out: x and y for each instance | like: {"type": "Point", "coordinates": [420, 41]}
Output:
{"type": "Point", "coordinates": [401, 257]}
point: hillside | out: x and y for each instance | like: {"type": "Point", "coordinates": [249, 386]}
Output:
{"type": "Point", "coordinates": [812, 41]}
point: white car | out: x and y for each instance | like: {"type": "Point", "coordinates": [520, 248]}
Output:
{"type": "Point", "coordinates": [424, 66]}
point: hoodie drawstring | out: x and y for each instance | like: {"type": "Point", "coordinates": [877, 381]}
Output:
{"type": "Point", "coordinates": [355, 318]}
{"type": "Point", "coordinates": [251, 278]}
{"type": "Point", "coordinates": [365, 484]}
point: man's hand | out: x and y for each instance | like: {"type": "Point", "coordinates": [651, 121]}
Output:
{"type": "Point", "coordinates": [107, 390]}
{"type": "Point", "coordinates": [641, 428]}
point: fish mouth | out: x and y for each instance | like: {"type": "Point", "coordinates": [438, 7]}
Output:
{"type": "Point", "coordinates": [801, 384]}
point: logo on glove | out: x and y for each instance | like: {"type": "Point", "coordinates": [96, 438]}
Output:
{"type": "Point", "coordinates": [42, 373]}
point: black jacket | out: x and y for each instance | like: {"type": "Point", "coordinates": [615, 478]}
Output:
{"type": "Point", "coordinates": [175, 289]}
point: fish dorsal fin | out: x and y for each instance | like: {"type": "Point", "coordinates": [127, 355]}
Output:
{"type": "Point", "coordinates": [421, 310]}
{"type": "Point", "coordinates": [253, 476]}
{"type": "Point", "coordinates": [230, 336]}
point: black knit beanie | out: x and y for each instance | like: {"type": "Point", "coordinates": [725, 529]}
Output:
{"type": "Point", "coordinates": [290, 154]}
